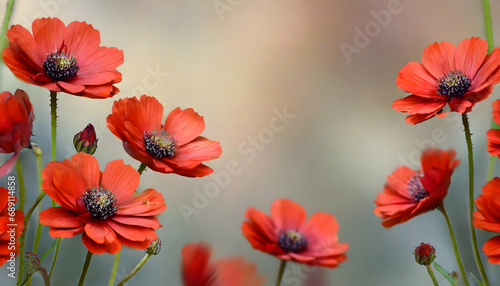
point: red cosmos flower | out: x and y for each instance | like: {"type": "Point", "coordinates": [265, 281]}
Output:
{"type": "Point", "coordinates": [61, 58]}
{"type": "Point", "coordinates": [198, 271]}
{"type": "Point", "coordinates": [9, 218]}
{"type": "Point", "coordinates": [101, 205]}
{"type": "Point", "coordinates": [16, 125]}
{"type": "Point", "coordinates": [286, 234]}
{"type": "Point", "coordinates": [458, 76]}
{"type": "Point", "coordinates": [409, 193]}
{"type": "Point", "coordinates": [493, 135]}
{"type": "Point", "coordinates": [174, 147]}
{"type": "Point", "coordinates": [487, 217]}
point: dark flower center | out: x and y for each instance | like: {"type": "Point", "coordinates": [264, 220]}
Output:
{"type": "Point", "coordinates": [453, 84]}
{"type": "Point", "coordinates": [159, 143]}
{"type": "Point", "coordinates": [416, 189]}
{"type": "Point", "coordinates": [100, 203]}
{"type": "Point", "coordinates": [292, 241]}
{"type": "Point", "coordinates": [59, 65]}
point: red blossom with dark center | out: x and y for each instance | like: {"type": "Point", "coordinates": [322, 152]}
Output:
{"type": "Point", "coordinates": [16, 126]}
{"type": "Point", "coordinates": [63, 58]}
{"type": "Point", "coordinates": [11, 225]}
{"type": "Point", "coordinates": [288, 236]}
{"type": "Point", "coordinates": [198, 270]}
{"type": "Point", "coordinates": [103, 206]}
{"type": "Point", "coordinates": [487, 217]}
{"type": "Point", "coordinates": [458, 76]}
{"type": "Point", "coordinates": [409, 193]}
{"type": "Point", "coordinates": [172, 147]}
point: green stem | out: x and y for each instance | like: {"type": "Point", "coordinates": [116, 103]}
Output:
{"type": "Point", "coordinates": [137, 268]}
{"type": "Point", "coordinates": [22, 188]}
{"type": "Point", "coordinates": [280, 272]}
{"type": "Point", "coordinates": [141, 169]}
{"type": "Point", "coordinates": [490, 168]}
{"type": "Point", "coordinates": [85, 268]}
{"type": "Point", "coordinates": [488, 25]}
{"type": "Point", "coordinates": [53, 122]}
{"type": "Point", "coordinates": [455, 247]}
{"type": "Point", "coordinates": [116, 261]}
{"type": "Point", "coordinates": [39, 167]}
{"type": "Point", "coordinates": [477, 257]}
{"type": "Point", "coordinates": [5, 25]}
{"type": "Point", "coordinates": [431, 274]}
{"type": "Point", "coordinates": [56, 255]}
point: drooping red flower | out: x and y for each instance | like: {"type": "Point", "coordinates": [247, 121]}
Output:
{"type": "Point", "coordinates": [288, 236]}
{"type": "Point", "coordinates": [409, 193]}
{"type": "Point", "coordinates": [487, 217]}
{"type": "Point", "coordinates": [101, 205]}
{"type": "Point", "coordinates": [458, 76]}
{"type": "Point", "coordinates": [493, 135]}
{"type": "Point", "coordinates": [172, 147]}
{"type": "Point", "coordinates": [63, 58]}
{"type": "Point", "coordinates": [16, 126]}
{"type": "Point", "coordinates": [197, 270]}
{"type": "Point", "coordinates": [11, 226]}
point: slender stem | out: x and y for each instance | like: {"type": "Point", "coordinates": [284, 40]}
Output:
{"type": "Point", "coordinates": [53, 116]}
{"type": "Point", "coordinates": [488, 25]}
{"type": "Point", "coordinates": [455, 247]}
{"type": "Point", "coordinates": [280, 272]}
{"type": "Point", "coordinates": [39, 167]}
{"type": "Point", "coordinates": [5, 25]}
{"type": "Point", "coordinates": [56, 255]}
{"type": "Point", "coordinates": [431, 274]}
{"type": "Point", "coordinates": [141, 168]}
{"type": "Point", "coordinates": [116, 261]}
{"type": "Point", "coordinates": [477, 257]}
{"type": "Point", "coordinates": [22, 188]}
{"type": "Point", "coordinates": [490, 167]}
{"type": "Point", "coordinates": [137, 268]}
{"type": "Point", "coordinates": [85, 268]}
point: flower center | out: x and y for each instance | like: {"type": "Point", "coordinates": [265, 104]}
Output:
{"type": "Point", "coordinates": [100, 203]}
{"type": "Point", "coordinates": [416, 189]}
{"type": "Point", "coordinates": [453, 84]}
{"type": "Point", "coordinates": [159, 143]}
{"type": "Point", "coordinates": [59, 65]}
{"type": "Point", "coordinates": [292, 241]}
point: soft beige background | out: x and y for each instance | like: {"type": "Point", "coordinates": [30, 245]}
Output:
{"type": "Point", "coordinates": [235, 68]}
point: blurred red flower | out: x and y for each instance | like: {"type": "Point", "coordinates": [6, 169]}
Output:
{"type": "Point", "coordinates": [197, 270]}
{"type": "Point", "coordinates": [11, 225]}
{"type": "Point", "coordinates": [101, 205]}
{"type": "Point", "coordinates": [63, 58]}
{"type": "Point", "coordinates": [458, 76]}
{"type": "Point", "coordinates": [409, 193]}
{"type": "Point", "coordinates": [487, 217]}
{"type": "Point", "coordinates": [287, 235]}
{"type": "Point", "coordinates": [172, 147]}
{"type": "Point", "coordinates": [16, 126]}
{"type": "Point", "coordinates": [493, 135]}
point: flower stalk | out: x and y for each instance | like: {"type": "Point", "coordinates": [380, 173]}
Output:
{"type": "Point", "coordinates": [85, 268]}
{"type": "Point", "coordinates": [134, 271]}
{"type": "Point", "coordinates": [280, 272]}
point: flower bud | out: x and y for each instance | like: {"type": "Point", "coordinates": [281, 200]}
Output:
{"type": "Point", "coordinates": [424, 254]}
{"type": "Point", "coordinates": [154, 248]}
{"type": "Point", "coordinates": [86, 141]}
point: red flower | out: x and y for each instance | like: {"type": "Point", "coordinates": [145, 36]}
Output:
{"type": "Point", "coordinates": [458, 76]}
{"type": "Point", "coordinates": [174, 147]}
{"type": "Point", "coordinates": [198, 271]}
{"type": "Point", "coordinates": [493, 135]}
{"type": "Point", "coordinates": [487, 217]}
{"type": "Point", "coordinates": [61, 58]}
{"type": "Point", "coordinates": [86, 140]}
{"type": "Point", "coordinates": [16, 125]}
{"type": "Point", "coordinates": [424, 254]}
{"type": "Point", "coordinates": [286, 234]}
{"type": "Point", "coordinates": [11, 226]}
{"type": "Point", "coordinates": [101, 205]}
{"type": "Point", "coordinates": [409, 193]}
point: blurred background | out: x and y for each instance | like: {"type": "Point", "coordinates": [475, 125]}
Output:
{"type": "Point", "coordinates": [330, 65]}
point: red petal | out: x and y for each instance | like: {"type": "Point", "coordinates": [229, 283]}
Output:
{"type": "Point", "coordinates": [439, 59]}
{"type": "Point", "coordinates": [122, 180]}
{"type": "Point", "coordinates": [185, 126]}
{"type": "Point", "coordinates": [61, 218]}
{"type": "Point", "coordinates": [99, 231]}
{"type": "Point", "coordinates": [287, 214]}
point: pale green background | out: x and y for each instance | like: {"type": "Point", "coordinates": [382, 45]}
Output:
{"type": "Point", "coordinates": [235, 69]}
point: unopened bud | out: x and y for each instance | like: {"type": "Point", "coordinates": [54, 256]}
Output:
{"type": "Point", "coordinates": [155, 247]}
{"type": "Point", "coordinates": [424, 254]}
{"type": "Point", "coordinates": [86, 141]}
